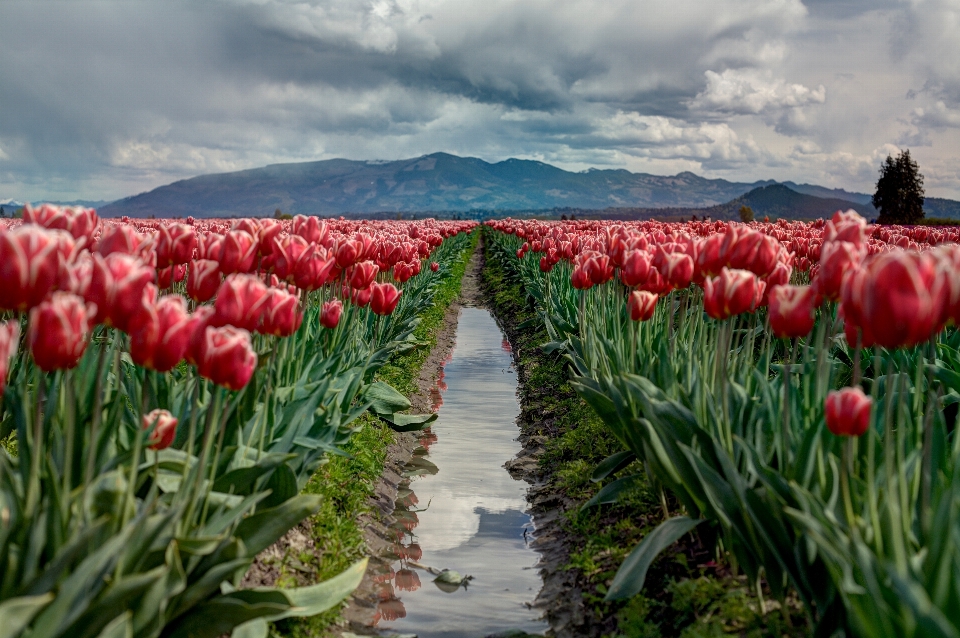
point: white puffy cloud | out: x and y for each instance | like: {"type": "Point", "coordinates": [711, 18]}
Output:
{"type": "Point", "coordinates": [746, 92]}
{"type": "Point", "coordinates": [104, 100]}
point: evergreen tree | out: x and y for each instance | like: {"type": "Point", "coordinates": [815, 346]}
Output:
{"type": "Point", "coordinates": [899, 196]}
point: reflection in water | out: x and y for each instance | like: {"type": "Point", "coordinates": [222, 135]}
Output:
{"type": "Point", "coordinates": [467, 514]}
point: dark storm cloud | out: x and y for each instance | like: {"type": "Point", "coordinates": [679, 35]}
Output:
{"type": "Point", "coordinates": [104, 99]}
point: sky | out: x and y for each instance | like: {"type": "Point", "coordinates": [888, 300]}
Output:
{"type": "Point", "coordinates": [101, 100]}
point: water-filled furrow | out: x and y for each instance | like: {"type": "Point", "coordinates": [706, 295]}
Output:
{"type": "Point", "coordinates": [459, 510]}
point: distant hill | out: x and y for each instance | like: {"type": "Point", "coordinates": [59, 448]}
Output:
{"type": "Point", "coordinates": [437, 182]}
{"type": "Point", "coordinates": [444, 183]}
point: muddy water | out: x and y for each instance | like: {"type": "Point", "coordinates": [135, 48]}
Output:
{"type": "Point", "coordinates": [458, 508]}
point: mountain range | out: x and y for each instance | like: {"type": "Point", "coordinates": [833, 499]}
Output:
{"type": "Point", "coordinates": [444, 183]}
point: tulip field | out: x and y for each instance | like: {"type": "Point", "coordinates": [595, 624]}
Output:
{"type": "Point", "coordinates": [794, 387]}
{"type": "Point", "coordinates": [168, 388]}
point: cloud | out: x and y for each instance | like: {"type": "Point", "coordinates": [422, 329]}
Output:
{"type": "Point", "coordinates": [104, 100]}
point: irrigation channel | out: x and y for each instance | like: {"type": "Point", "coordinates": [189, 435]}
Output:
{"type": "Point", "coordinates": [456, 507]}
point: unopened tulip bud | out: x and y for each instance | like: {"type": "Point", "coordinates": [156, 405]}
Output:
{"type": "Point", "coordinates": [281, 315]}
{"type": "Point", "coordinates": [29, 266]}
{"type": "Point", "coordinates": [847, 412]}
{"type": "Point", "coordinates": [434, 266]}
{"type": "Point", "coordinates": [164, 427]}
{"type": "Point", "coordinates": [330, 314]}
{"type": "Point", "coordinates": [59, 331]}
{"type": "Point", "coordinates": [384, 298]}
{"type": "Point", "coordinates": [225, 356]}
{"type": "Point", "coordinates": [641, 305]}
{"type": "Point", "coordinates": [792, 310]}
{"type": "Point", "coordinates": [238, 253]}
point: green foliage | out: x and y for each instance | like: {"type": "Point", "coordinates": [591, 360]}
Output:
{"type": "Point", "coordinates": [746, 214]}
{"type": "Point", "coordinates": [576, 441]}
{"type": "Point", "coordinates": [899, 194]}
{"type": "Point", "coordinates": [863, 533]}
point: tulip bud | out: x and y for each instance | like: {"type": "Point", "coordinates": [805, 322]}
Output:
{"type": "Point", "coordinates": [434, 266]}
{"type": "Point", "coordinates": [349, 252]}
{"type": "Point", "coordinates": [847, 412]}
{"type": "Point", "coordinates": [238, 253]}
{"type": "Point", "coordinates": [210, 246]}
{"type": "Point", "coordinates": [164, 427]}
{"type": "Point", "coordinates": [384, 298]}
{"type": "Point", "coordinates": [281, 316]}
{"type": "Point", "coordinates": [176, 244]}
{"type": "Point", "coordinates": [29, 266]}
{"type": "Point", "coordinates": [119, 238]}
{"type": "Point", "coordinates": [731, 293]}
{"type": "Point", "coordinates": [9, 340]}
{"type": "Point", "coordinates": [167, 276]}
{"type": "Point", "coordinates": [330, 314]}
{"type": "Point", "coordinates": [203, 280]}
{"type": "Point", "coordinates": [225, 356]}
{"type": "Point", "coordinates": [160, 333]}
{"type": "Point", "coordinates": [313, 269]}
{"type": "Point", "coordinates": [641, 305]}
{"type": "Point", "coordinates": [677, 270]}
{"type": "Point", "coordinates": [59, 330]}
{"type": "Point", "coordinates": [636, 268]}
{"type": "Point", "coordinates": [287, 253]}
{"type": "Point", "coordinates": [306, 227]}
{"type": "Point", "coordinates": [240, 302]}
{"type": "Point", "coordinates": [362, 274]}
{"type": "Point", "coordinates": [402, 271]}
{"type": "Point", "coordinates": [270, 230]}
{"type": "Point", "coordinates": [116, 287]}
{"type": "Point", "coordinates": [836, 260]}
{"type": "Point", "coordinates": [792, 310]}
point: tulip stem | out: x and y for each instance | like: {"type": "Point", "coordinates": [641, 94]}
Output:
{"type": "Point", "coordinates": [97, 415]}
{"type": "Point", "coordinates": [33, 491]}
{"type": "Point", "coordinates": [70, 408]}
{"type": "Point", "coordinates": [846, 462]}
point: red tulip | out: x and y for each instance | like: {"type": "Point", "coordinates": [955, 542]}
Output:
{"type": "Point", "coordinates": [330, 314]}
{"type": "Point", "coordinates": [900, 299]}
{"type": "Point", "coordinates": [837, 259]}
{"type": "Point", "coordinates": [314, 268]}
{"type": "Point", "coordinates": [362, 274]}
{"type": "Point", "coordinates": [287, 253]}
{"type": "Point", "coordinates": [580, 279]}
{"type": "Point", "coordinates": [402, 271]}
{"type": "Point", "coordinates": [199, 321]}
{"type": "Point", "coordinates": [792, 310]}
{"type": "Point", "coordinates": [384, 298]}
{"type": "Point", "coordinates": [310, 228]}
{"type": "Point", "coordinates": [59, 330]}
{"type": "Point", "coordinates": [9, 341]}
{"type": "Point", "coordinates": [731, 293]}
{"type": "Point", "coordinates": [210, 246]}
{"type": "Point", "coordinates": [359, 298]}
{"type": "Point", "coordinates": [239, 252]}
{"type": "Point", "coordinates": [81, 223]}
{"type": "Point", "coordinates": [240, 302]}
{"type": "Point", "coordinates": [270, 230]}
{"type": "Point", "coordinates": [29, 266]}
{"type": "Point", "coordinates": [641, 305]}
{"type": "Point", "coordinates": [248, 225]}
{"type": "Point", "coordinates": [636, 268]}
{"type": "Point", "coordinates": [167, 276]}
{"type": "Point", "coordinates": [176, 244]}
{"type": "Point", "coordinates": [203, 280]}
{"type": "Point", "coordinates": [119, 238]}
{"type": "Point", "coordinates": [160, 333]}
{"type": "Point", "coordinates": [164, 427]}
{"type": "Point", "coordinates": [349, 251]}
{"type": "Point", "coordinates": [848, 412]}
{"type": "Point", "coordinates": [710, 257]}
{"type": "Point", "coordinates": [116, 287]}
{"type": "Point", "coordinates": [225, 356]}
{"type": "Point", "coordinates": [677, 269]}
{"type": "Point", "coordinates": [281, 315]}
{"type": "Point", "coordinates": [848, 226]}
{"type": "Point", "coordinates": [434, 266]}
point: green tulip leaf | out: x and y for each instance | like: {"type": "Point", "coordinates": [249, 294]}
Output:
{"type": "Point", "coordinates": [612, 464]}
{"type": "Point", "coordinates": [16, 613]}
{"type": "Point", "coordinates": [630, 577]}
{"type": "Point", "coordinates": [611, 493]}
